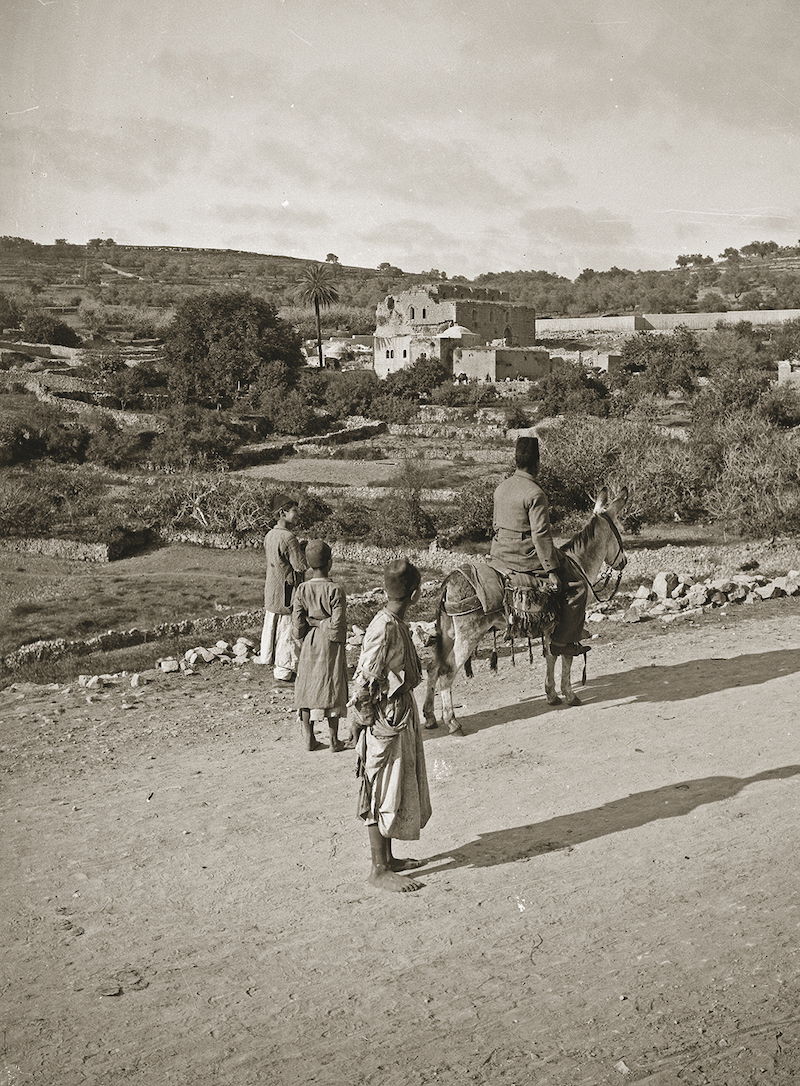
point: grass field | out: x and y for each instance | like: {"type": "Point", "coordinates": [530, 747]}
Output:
{"type": "Point", "coordinates": [43, 598]}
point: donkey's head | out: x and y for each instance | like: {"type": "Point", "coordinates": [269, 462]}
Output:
{"type": "Point", "coordinates": [608, 509]}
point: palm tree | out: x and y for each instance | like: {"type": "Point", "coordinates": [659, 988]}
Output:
{"type": "Point", "coordinates": [314, 287]}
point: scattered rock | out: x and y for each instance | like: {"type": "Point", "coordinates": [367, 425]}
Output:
{"type": "Point", "coordinates": [644, 593]}
{"type": "Point", "coordinates": [771, 591]}
{"type": "Point", "coordinates": [664, 584]}
{"type": "Point", "coordinates": [169, 664]}
{"type": "Point", "coordinates": [137, 680]}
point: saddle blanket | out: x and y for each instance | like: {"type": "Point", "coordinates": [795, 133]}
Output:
{"type": "Point", "coordinates": [490, 587]}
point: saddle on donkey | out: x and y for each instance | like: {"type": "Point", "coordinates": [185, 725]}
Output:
{"type": "Point", "coordinates": [530, 602]}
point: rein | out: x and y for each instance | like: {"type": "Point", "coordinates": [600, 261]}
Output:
{"type": "Point", "coordinates": [605, 578]}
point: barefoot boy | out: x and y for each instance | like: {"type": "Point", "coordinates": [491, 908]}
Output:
{"type": "Point", "coordinates": [286, 565]}
{"type": "Point", "coordinates": [319, 621]}
{"type": "Point", "coordinates": [394, 799]}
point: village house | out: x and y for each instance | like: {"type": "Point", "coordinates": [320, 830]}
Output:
{"type": "Point", "coordinates": [437, 319]}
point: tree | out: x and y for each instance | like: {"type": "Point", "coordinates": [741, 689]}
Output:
{"type": "Point", "coordinates": [683, 260]}
{"type": "Point", "coordinates": [220, 344]}
{"type": "Point", "coordinates": [733, 256]}
{"type": "Point", "coordinates": [332, 258]}
{"type": "Point", "coordinates": [39, 327]}
{"type": "Point", "coordinates": [315, 288]}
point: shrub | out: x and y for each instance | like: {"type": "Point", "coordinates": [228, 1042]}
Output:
{"type": "Point", "coordinates": [349, 520]}
{"type": "Point", "coordinates": [474, 511]}
{"type": "Point", "coordinates": [393, 409]}
{"type": "Point", "coordinates": [472, 394]}
{"type": "Point", "coordinates": [516, 417]}
{"type": "Point", "coordinates": [351, 393]}
{"type": "Point", "coordinates": [757, 487]}
{"type": "Point", "coordinates": [39, 327]}
{"type": "Point", "coordinates": [570, 390]}
{"type": "Point", "coordinates": [40, 431]}
{"type": "Point", "coordinates": [49, 499]}
{"type": "Point", "coordinates": [192, 437]}
{"type": "Point", "coordinates": [290, 414]}
{"type": "Point", "coordinates": [116, 446]}
{"type": "Point", "coordinates": [400, 516]}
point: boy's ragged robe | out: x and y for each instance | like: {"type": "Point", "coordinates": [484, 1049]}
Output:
{"type": "Point", "coordinates": [319, 620]}
{"type": "Point", "coordinates": [394, 784]}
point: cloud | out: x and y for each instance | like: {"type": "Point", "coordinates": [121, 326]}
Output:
{"type": "Point", "coordinates": [216, 78]}
{"type": "Point", "coordinates": [572, 226]}
{"type": "Point", "coordinates": [255, 214]}
{"type": "Point", "coordinates": [128, 154]}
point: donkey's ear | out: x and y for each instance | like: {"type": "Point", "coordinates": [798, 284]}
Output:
{"type": "Point", "coordinates": [619, 502]}
{"type": "Point", "coordinates": [601, 503]}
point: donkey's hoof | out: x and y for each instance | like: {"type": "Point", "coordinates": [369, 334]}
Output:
{"type": "Point", "coordinates": [457, 731]}
{"type": "Point", "coordinates": [553, 699]}
{"type": "Point", "coordinates": [573, 699]}
{"type": "Point", "coordinates": [431, 723]}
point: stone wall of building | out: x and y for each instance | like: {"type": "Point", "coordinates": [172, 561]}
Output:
{"type": "Point", "coordinates": [501, 363]}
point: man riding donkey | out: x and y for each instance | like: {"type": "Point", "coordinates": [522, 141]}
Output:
{"type": "Point", "coordinates": [522, 542]}
{"type": "Point", "coordinates": [528, 588]}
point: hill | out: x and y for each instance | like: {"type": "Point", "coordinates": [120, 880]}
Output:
{"type": "Point", "coordinates": [160, 276]}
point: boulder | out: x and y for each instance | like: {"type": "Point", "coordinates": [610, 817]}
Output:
{"type": "Point", "coordinates": [673, 605]}
{"type": "Point", "coordinates": [678, 592]}
{"type": "Point", "coordinates": [246, 642]}
{"type": "Point", "coordinates": [93, 682]}
{"type": "Point", "coordinates": [718, 597]}
{"type": "Point", "coordinates": [595, 616]}
{"type": "Point", "coordinates": [724, 585]}
{"type": "Point", "coordinates": [635, 614]}
{"type": "Point", "coordinates": [686, 578]}
{"type": "Point", "coordinates": [644, 593]}
{"type": "Point", "coordinates": [224, 646]}
{"type": "Point", "coordinates": [137, 680]}
{"type": "Point", "coordinates": [169, 664]}
{"type": "Point", "coordinates": [739, 595]}
{"type": "Point", "coordinates": [698, 595]}
{"type": "Point", "coordinates": [770, 591]}
{"type": "Point", "coordinates": [664, 583]}
{"type": "Point", "coordinates": [206, 655]}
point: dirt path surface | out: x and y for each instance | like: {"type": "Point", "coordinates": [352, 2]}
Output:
{"type": "Point", "coordinates": [614, 893]}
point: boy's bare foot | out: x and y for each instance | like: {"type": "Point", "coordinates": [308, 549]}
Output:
{"type": "Point", "coordinates": [350, 744]}
{"type": "Point", "coordinates": [408, 864]}
{"type": "Point", "coordinates": [337, 746]}
{"type": "Point", "coordinates": [390, 880]}
{"type": "Point", "coordinates": [314, 744]}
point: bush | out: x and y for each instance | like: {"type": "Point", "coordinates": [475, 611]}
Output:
{"type": "Point", "coordinates": [349, 520]}
{"type": "Point", "coordinates": [472, 394]}
{"type": "Point", "coordinates": [39, 327]}
{"type": "Point", "coordinates": [215, 503]}
{"type": "Point", "coordinates": [393, 409]}
{"type": "Point", "coordinates": [48, 500]}
{"type": "Point", "coordinates": [192, 437]}
{"type": "Point", "coordinates": [474, 511]}
{"type": "Point", "coordinates": [117, 446]}
{"type": "Point", "coordinates": [40, 431]}
{"type": "Point", "coordinates": [400, 516]}
{"type": "Point", "coordinates": [352, 393]}
{"type": "Point", "coordinates": [290, 414]}
{"type": "Point", "coordinates": [757, 487]}
{"type": "Point", "coordinates": [570, 390]}
{"type": "Point", "coordinates": [516, 417]}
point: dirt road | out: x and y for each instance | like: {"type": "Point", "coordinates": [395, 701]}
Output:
{"type": "Point", "coordinates": [613, 893]}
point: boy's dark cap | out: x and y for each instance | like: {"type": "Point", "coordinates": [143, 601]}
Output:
{"type": "Point", "coordinates": [318, 553]}
{"type": "Point", "coordinates": [401, 579]}
{"type": "Point", "coordinates": [526, 451]}
{"type": "Point", "coordinates": [282, 502]}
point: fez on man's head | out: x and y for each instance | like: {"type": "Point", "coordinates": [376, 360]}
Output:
{"type": "Point", "coordinates": [526, 453]}
{"type": "Point", "coordinates": [281, 503]}
{"type": "Point", "coordinates": [401, 579]}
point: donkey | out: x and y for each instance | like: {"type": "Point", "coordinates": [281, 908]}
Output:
{"type": "Point", "coordinates": [597, 545]}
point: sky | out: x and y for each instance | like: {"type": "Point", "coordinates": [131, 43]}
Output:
{"type": "Point", "coordinates": [468, 136]}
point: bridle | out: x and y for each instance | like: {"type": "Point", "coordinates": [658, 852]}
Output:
{"type": "Point", "coordinates": [607, 575]}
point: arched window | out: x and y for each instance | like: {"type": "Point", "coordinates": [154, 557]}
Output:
{"type": "Point", "coordinates": [405, 353]}
{"type": "Point", "coordinates": [387, 354]}
{"type": "Point", "coordinates": [411, 312]}
{"type": "Point", "coordinates": [423, 314]}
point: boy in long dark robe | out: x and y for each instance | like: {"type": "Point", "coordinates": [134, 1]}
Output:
{"type": "Point", "coordinates": [394, 800]}
{"type": "Point", "coordinates": [319, 621]}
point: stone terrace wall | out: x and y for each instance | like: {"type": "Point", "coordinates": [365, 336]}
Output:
{"type": "Point", "coordinates": [58, 548]}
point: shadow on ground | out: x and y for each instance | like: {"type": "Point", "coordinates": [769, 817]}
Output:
{"type": "Point", "coordinates": [655, 683]}
{"type": "Point", "coordinates": [628, 813]}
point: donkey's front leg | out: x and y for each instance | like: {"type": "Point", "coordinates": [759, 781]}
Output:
{"type": "Point", "coordinates": [550, 676]}
{"type": "Point", "coordinates": [570, 697]}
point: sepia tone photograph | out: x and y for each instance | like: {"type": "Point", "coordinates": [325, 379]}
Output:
{"type": "Point", "coordinates": [399, 543]}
